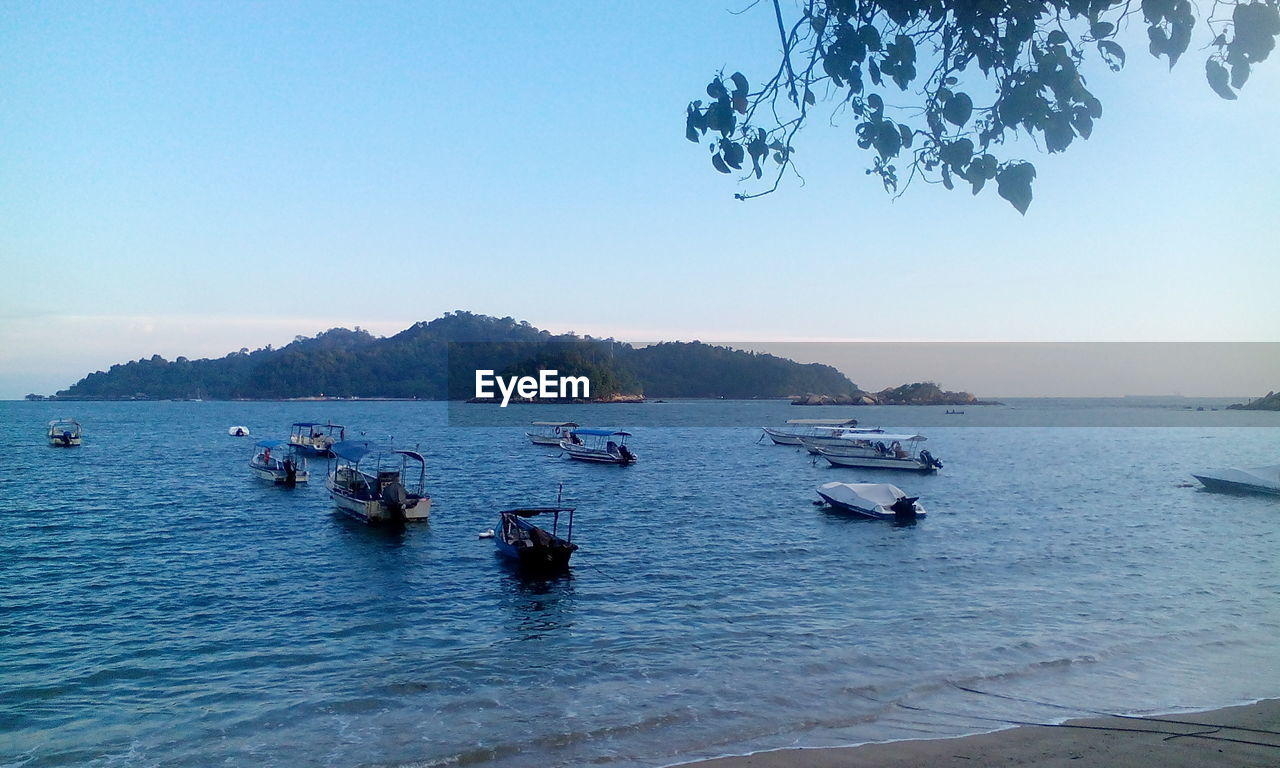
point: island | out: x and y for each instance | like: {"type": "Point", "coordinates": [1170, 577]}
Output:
{"type": "Point", "coordinates": [1268, 402]}
{"type": "Point", "coordinates": [919, 393]}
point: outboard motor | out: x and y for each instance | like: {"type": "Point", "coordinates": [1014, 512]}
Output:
{"type": "Point", "coordinates": [929, 461]}
{"type": "Point", "coordinates": [904, 509]}
{"type": "Point", "coordinates": [65, 437]}
{"type": "Point", "coordinates": [290, 472]}
{"type": "Point", "coordinates": [395, 497]}
{"type": "Point", "coordinates": [626, 454]}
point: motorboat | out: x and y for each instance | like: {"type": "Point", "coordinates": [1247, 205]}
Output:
{"type": "Point", "coordinates": [801, 428]}
{"type": "Point", "coordinates": [879, 501]}
{"type": "Point", "coordinates": [530, 547]}
{"type": "Point", "coordinates": [1242, 479]}
{"type": "Point", "coordinates": [834, 437]}
{"type": "Point", "coordinates": [882, 450]}
{"type": "Point", "coordinates": [602, 446]}
{"type": "Point", "coordinates": [378, 484]}
{"type": "Point", "coordinates": [238, 431]}
{"type": "Point", "coordinates": [65, 433]}
{"type": "Point", "coordinates": [316, 439]}
{"type": "Point", "coordinates": [279, 462]}
{"type": "Point", "coordinates": [552, 432]}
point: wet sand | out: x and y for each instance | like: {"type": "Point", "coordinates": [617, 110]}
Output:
{"type": "Point", "coordinates": [1214, 738]}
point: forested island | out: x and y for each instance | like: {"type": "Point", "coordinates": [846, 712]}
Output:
{"type": "Point", "coordinates": [437, 360]}
{"type": "Point", "coordinates": [1268, 402]}
{"type": "Point", "coordinates": [919, 393]}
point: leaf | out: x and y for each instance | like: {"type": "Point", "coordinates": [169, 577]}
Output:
{"type": "Point", "coordinates": [870, 37]}
{"type": "Point", "coordinates": [1217, 77]}
{"type": "Point", "coordinates": [719, 165]}
{"type": "Point", "coordinates": [1014, 184]}
{"type": "Point", "coordinates": [1112, 53]}
{"type": "Point", "coordinates": [1102, 29]}
{"type": "Point", "coordinates": [690, 131]}
{"type": "Point", "coordinates": [887, 141]}
{"type": "Point", "coordinates": [876, 103]}
{"type": "Point", "coordinates": [740, 102]}
{"type": "Point", "coordinates": [809, 98]}
{"type": "Point", "coordinates": [906, 135]}
{"type": "Point", "coordinates": [733, 155]}
{"type": "Point", "coordinates": [958, 109]}
{"type": "Point", "coordinates": [1058, 37]}
{"type": "Point", "coordinates": [1239, 73]}
{"type": "Point", "coordinates": [957, 153]}
{"type": "Point", "coordinates": [739, 81]}
{"type": "Point", "coordinates": [715, 89]}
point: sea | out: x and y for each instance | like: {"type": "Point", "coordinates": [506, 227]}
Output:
{"type": "Point", "coordinates": [160, 606]}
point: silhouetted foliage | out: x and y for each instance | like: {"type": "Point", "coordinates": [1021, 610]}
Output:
{"type": "Point", "coordinates": [971, 74]}
{"type": "Point", "coordinates": [438, 360]}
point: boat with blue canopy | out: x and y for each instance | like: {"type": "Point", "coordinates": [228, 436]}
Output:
{"type": "Point", "coordinates": [600, 446]}
{"type": "Point", "coordinates": [279, 462]}
{"type": "Point", "coordinates": [378, 484]}
{"type": "Point", "coordinates": [316, 439]}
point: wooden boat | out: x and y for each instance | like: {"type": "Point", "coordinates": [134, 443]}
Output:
{"type": "Point", "coordinates": [279, 462]}
{"type": "Point", "coordinates": [376, 484]}
{"type": "Point", "coordinates": [1242, 479]}
{"type": "Point", "coordinates": [532, 548]}
{"type": "Point", "coordinates": [601, 446]}
{"type": "Point", "coordinates": [878, 501]}
{"type": "Point", "coordinates": [316, 439]}
{"type": "Point", "coordinates": [882, 451]}
{"type": "Point", "coordinates": [802, 428]}
{"type": "Point", "coordinates": [552, 432]}
{"type": "Point", "coordinates": [65, 433]}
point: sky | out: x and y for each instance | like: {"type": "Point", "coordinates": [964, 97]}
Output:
{"type": "Point", "coordinates": [194, 178]}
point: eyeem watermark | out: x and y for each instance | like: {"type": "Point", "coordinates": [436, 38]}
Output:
{"type": "Point", "coordinates": [547, 385]}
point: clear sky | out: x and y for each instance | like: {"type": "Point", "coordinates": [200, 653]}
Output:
{"type": "Point", "coordinates": [193, 178]}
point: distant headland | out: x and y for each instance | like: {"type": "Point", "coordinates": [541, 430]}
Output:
{"type": "Point", "coordinates": [919, 393]}
{"type": "Point", "coordinates": [1268, 402]}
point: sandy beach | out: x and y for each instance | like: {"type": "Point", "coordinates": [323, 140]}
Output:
{"type": "Point", "coordinates": [1240, 737]}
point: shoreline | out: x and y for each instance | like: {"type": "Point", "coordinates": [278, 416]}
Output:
{"type": "Point", "coordinates": [1228, 736]}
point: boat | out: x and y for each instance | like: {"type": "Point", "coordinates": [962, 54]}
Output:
{"type": "Point", "coordinates": [801, 428]}
{"type": "Point", "coordinates": [882, 451]}
{"type": "Point", "coordinates": [1242, 479]}
{"type": "Point", "coordinates": [238, 431]}
{"type": "Point", "coordinates": [378, 484]}
{"type": "Point", "coordinates": [532, 548]}
{"type": "Point", "coordinates": [602, 446]}
{"type": "Point", "coordinates": [552, 432]}
{"type": "Point", "coordinates": [65, 433]}
{"type": "Point", "coordinates": [279, 462]}
{"type": "Point", "coordinates": [316, 439]}
{"type": "Point", "coordinates": [833, 437]}
{"type": "Point", "coordinates": [954, 413]}
{"type": "Point", "coordinates": [878, 501]}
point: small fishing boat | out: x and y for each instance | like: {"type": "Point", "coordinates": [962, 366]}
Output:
{"type": "Point", "coordinates": [1242, 479]}
{"type": "Point", "coordinates": [378, 484]}
{"type": "Point", "coordinates": [65, 433]}
{"type": "Point", "coordinates": [530, 547]}
{"type": "Point", "coordinates": [881, 451]}
{"type": "Point", "coordinates": [802, 428]}
{"type": "Point", "coordinates": [279, 462]}
{"type": "Point", "coordinates": [552, 432]}
{"type": "Point", "coordinates": [602, 446]}
{"type": "Point", "coordinates": [316, 439]}
{"type": "Point", "coordinates": [834, 437]}
{"type": "Point", "coordinates": [878, 501]}
{"type": "Point", "coordinates": [238, 431]}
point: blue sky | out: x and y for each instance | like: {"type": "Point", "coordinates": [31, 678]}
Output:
{"type": "Point", "coordinates": [192, 178]}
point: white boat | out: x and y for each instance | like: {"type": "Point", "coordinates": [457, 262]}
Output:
{"type": "Point", "coordinates": [880, 501]}
{"type": "Point", "coordinates": [279, 462]}
{"type": "Point", "coordinates": [601, 446]}
{"type": "Point", "coordinates": [835, 437]}
{"type": "Point", "coordinates": [801, 428]}
{"type": "Point", "coordinates": [238, 431]}
{"type": "Point", "coordinates": [316, 439]}
{"type": "Point", "coordinates": [552, 432]}
{"type": "Point", "coordinates": [1242, 479]}
{"type": "Point", "coordinates": [376, 484]}
{"type": "Point", "coordinates": [881, 450]}
{"type": "Point", "coordinates": [65, 433]}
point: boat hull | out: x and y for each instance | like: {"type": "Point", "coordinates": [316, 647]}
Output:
{"type": "Point", "coordinates": [595, 455]}
{"type": "Point", "coordinates": [781, 438]}
{"type": "Point", "coordinates": [375, 511]}
{"type": "Point", "coordinates": [840, 498]}
{"type": "Point", "coordinates": [879, 462]}
{"type": "Point", "coordinates": [543, 439]}
{"type": "Point", "coordinates": [277, 475]}
{"type": "Point", "coordinates": [59, 442]}
{"type": "Point", "coordinates": [1238, 485]}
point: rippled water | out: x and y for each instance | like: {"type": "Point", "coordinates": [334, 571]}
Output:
{"type": "Point", "coordinates": [160, 606]}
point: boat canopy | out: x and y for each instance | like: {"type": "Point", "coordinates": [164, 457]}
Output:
{"type": "Point", "coordinates": [533, 511]}
{"type": "Point", "coordinates": [555, 424]}
{"type": "Point", "coordinates": [602, 432]}
{"type": "Point", "coordinates": [316, 424]}
{"type": "Point", "coordinates": [829, 422]}
{"type": "Point", "coordinates": [356, 450]}
{"type": "Point", "coordinates": [882, 437]}
{"type": "Point", "coordinates": [272, 443]}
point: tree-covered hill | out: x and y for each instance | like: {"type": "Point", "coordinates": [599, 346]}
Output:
{"type": "Point", "coordinates": [438, 359]}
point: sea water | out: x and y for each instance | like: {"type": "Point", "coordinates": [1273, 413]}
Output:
{"type": "Point", "coordinates": [161, 606]}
